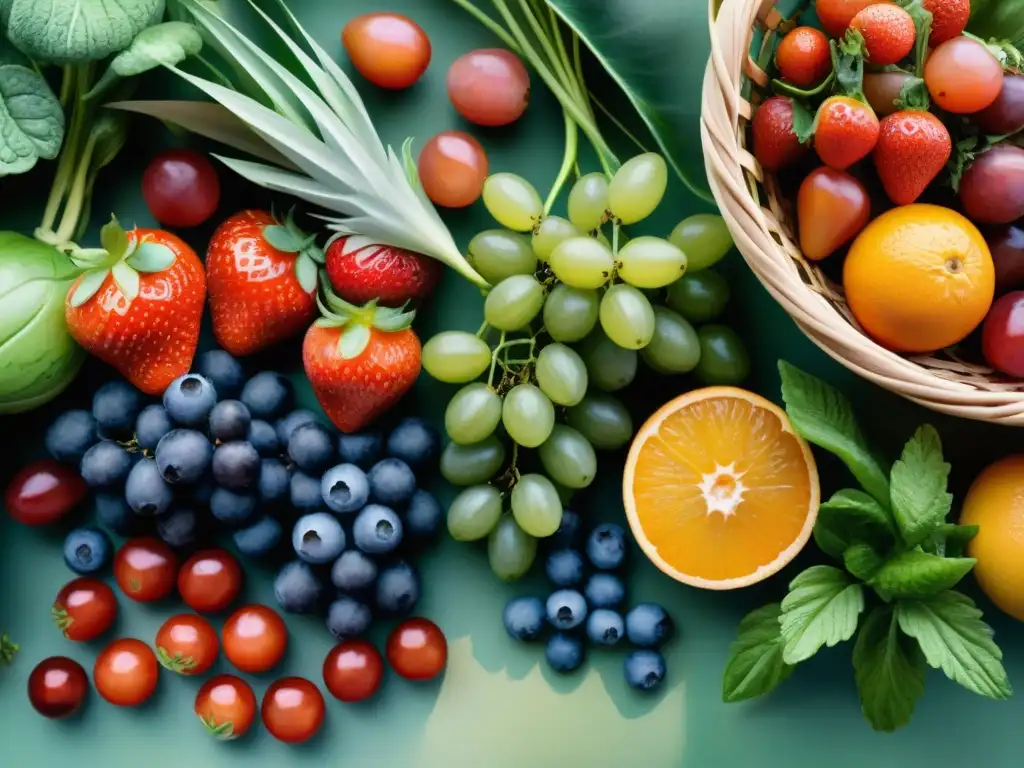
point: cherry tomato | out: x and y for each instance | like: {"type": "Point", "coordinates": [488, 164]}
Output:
{"type": "Point", "coordinates": [126, 672]}
{"type": "Point", "coordinates": [57, 687]}
{"type": "Point", "coordinates": [453, 168]}
{"type": "Point", "coordinates": [1002, 335]}
{"type": "Point", "coordinates": [832, 207]}
{"type": "Point", "coordinates": [181, 188]}
{"type": "Point", "coordinates": [255, 638]}
{"type": "Point", "coordinates": [353, 670]}
{"type": "Point", "coordinates": [388, 49]}
{"type": "Point", "coordinates": [85, 608]}
{"type": "Point", "coordinates": [803, 57]}
{"type": "Point", "coordinates": [489, 86]}
{"type": "Point", "coordinates": [963, 76]}
{"type": "Point", "coordinates": [145, 569]}
{"type": "Point", "coordinates": [187, 644]}
{"type": "Point", "coordinates": [43, 492]}
{"type": "Point", "coordinates": [293, 710]}
{"type": "Point", "coordinates": [882, 89]}
{"type": "Point", "coordinates": [226, 706]}
{"type": "Point", "coordinates": [210, 580]}
{"type": "Point", "coordinates": [417, 649]}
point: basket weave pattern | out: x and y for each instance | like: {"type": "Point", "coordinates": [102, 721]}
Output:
{"type": "Point", "coordinates": [760, 220]}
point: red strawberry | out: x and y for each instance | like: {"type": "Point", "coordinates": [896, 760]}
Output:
{"type": "Point", "coordinates": [887, 32]}
{"type": "Point", "coordinates": [262, 277]}
{"type": "Point", "coordinates": [360, 360]}
{"type": "Point", "coordinates": [846, 131]}
{"type": "Point", "coordinates": [139, 306]}
{"type": "Point", "coordinates": [362, 270]}
{"type": "Point", "coordinates": [913, 147]}
{"type": "Point", "coordinates": [775, 143]}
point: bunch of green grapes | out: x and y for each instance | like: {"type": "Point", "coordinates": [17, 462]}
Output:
{"type": "Point", "coordinates": [575, 307]}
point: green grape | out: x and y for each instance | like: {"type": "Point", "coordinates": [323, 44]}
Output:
{"type": "Point", "coordinates": [603, 420]}
{"type": "Point", "coordinates": [471, 464]}
{"type": "Point", "coordinates": [512, 201]}
{"type": "Point", "coordinates": [514, 302]}
{"type": "Point", "coordinates": [510, 549]}
{"type": "Point", "coordinates": [699, 297]}
{"type": "Point", "coordinates": [674, 348]}
{"type": "Point", "coordinates": [456, 357]}
{"type": "Point", "coordinates": [582, 262]}
{"type": "Point", "coordinates": [627, 316]}
{"type": "Point", "coordinates": [498, 253]}
{"type": "Point", "coordinates": [570, 313]}
{"type": "Point", "coordinates": [568, 457]}
{"type": "Point", "coordinates": [472, 414]}
{"type": "Point", "coordinates": [588, 201]}
{"type": "Point", "coordinates": [637, 187]}
{"type": "Point", "coordinates": [723, 356]}
{"type": "Point", "coordinates": [650, 262]}
{"type": "Point", "coordinates": [704, 238]}
{"type": "Point", "coordinates": [474, 513]}
{"type": "Point", "coordinates": [528, 415]}
{"type": "Point", "coordinates": [536, 506]}
{"type": "Point", "coordinates": [609, 366]}
{"type": "Point", "coordinates": [561, 374]}
{"type": "Point", "coordinates": [551, 231]}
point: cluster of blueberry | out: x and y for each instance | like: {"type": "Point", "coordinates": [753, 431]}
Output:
{"type": "Point", "coordinates": [259, 465]}
{"type": "Point", "coordinates": [589, 607]}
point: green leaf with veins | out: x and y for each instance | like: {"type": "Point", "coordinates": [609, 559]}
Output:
{"type": "Point", "coordinates": [950, 540]}
{"type": "Point", "coordinates": [850, 516]}
{"type": "Point", "coordinates": [862, 561]}
{"type": "Point", "coordinates": [822, 608]}
{"type": "Point", "coordinates": [31, 120]}
{"type": "Point", "coordinates": [915, 574]}
{"type": "Point", "coordinates": [918, 484]}
{"type": "Point", "coordinates": [755, 664]}
{"type": "Point", "coordinates": [889, 670]}
{"type": "Point", "coordinates": [166, 44]}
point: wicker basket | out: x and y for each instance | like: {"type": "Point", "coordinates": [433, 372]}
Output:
{"type": "Point", "coordinates": [761, 223]}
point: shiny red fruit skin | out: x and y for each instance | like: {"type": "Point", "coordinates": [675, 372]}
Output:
{"type": "Point", "coordinates": [1002, 335]}
{"type": "Point", "coordinates": [146, 569]}
{"type": "Point", "coordinates": [210, 580]}
{"type": "Point", "coordinates": [85, 608]}
{"type": "Point", "coordinates": [57, 687]}
{"type": "Point", "coordinates": [489, 86]}
{"type": "Point", "coordinates": [126, 672]}
{"type": "Point", "coordinates": [181, 188]}
{"type": "Point", "coordinates": [417, 649]}
{"type": "Point", "coordinates": [353, 671]}
{"type": "Point", "coordinates": [452, 168]}
{"type": "Point", "coordinates": [226, 706]}
{"type": "Point", "coordinates": [187, 644]}
{"type": "Point", "coordinates": [992, 188]}
{"type": "Point", "coordinates": [255, 639]}
{"type": "Point", "coordinates": [293, 710]}
{"type": "Point", "coordinates": [775, 143]}
{"type": "Point", "coordinates": [1007, 247]}
{"type": "Point", "coordinates": [388, 49]}
{"type": "Point", "coordinates": [43, 492]}
{"type": "Point", "coordinates": [361, 271]}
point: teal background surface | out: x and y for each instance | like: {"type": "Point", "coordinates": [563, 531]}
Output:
{"type": "Point", "coordinates": [498, 705]}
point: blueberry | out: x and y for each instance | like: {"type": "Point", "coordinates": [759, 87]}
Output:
{"type": "Point", "coordinates": [146, 492]}
{"type": "Point", "coordinates": [415, 442]}
{"type": "Point", "coordinates": [524, 618]}
{"type": "Point", "coordinates": [304, 493]}
{"type": "Point", "coordinates": [649, 626]}
{"type": "Point", "coordinates": [566, 609]}
{"type": "Point", "coordinates": [183, 456]}
{"type": "Point", "coordinates": [105, 465]}
{"type": "Point", "coordinates": [86, 550]}
{"type": "Point", "coordinates": [345, 489]}
{"type": "Point", "coordinates": [202, 492]}
{"type": "Point", "coordinates": [267, 395]}
{"type": "Point", "coordinates": [569, 534]}
{"type": "Point", "coordinates": [223, 370]}
{"type": "Point", "coordinates": [260, 538]}
{"type": "Point", "coordinates": [297, 589]}
{"type": "Point", "coordinates": [564, 653]}
{"type": "Point", "coordinates": [229, 420]}
{"type": "Point", "coordinates": [392, 482]}
{"type": "Point", "coordinates": [318, 538]}
{"type": "Point", "coordinates": [423, 516]}
{"type": "Point", "coordinates": [377, 530]}
{"type": "Point", "coordinates": [232, 508]}
{"type": "Point", "coordinates": [115, 406]}
{"type": "Point", "coordinates": [153, 423]}
{"type": "Point", "coordinates": [311, 447]}
{"type": "Point", "coordinates": [113, 512]}
{"type": "Point", "coordinates": [605, 627]}
{"type": "Point", "coordinates": [236, 466]}
{"type": "Point", "coordinates": [362, 449]}
{"type": "Point", "coordinates": [189, 400]}
{"type": "Point", "coordinates": [71, 435]}
{"type": "Point", "coordinates": [179, 529]}
{"type": "Point", "coordinates": [264, 439]}
{"type": "Point", "coordinates": [288, 424]}
{"type": "Point", "coordinates": [644, 670]}
{"type": "Point", "coordinates": [353, 572]}
{"type": "Point", "coordinates": [606, 547]}
{"type": "Point", "coordinates": [604, 590]}
{"type": "Point", "coordinates": [275, 480]}
{"type": "Point", "coordinates": [398, 589]}
{"type": "Point", "coordinates": [348, 618]}
{"type": "Point", "coordinates": [564, 568]}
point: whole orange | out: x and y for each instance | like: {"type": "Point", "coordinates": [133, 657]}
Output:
{"type": "Point", "coordinates": [995, 504]}
{"type": "Point", "coordinates": [919, 278]}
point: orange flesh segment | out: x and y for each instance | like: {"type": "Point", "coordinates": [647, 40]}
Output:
{"type": "Point", "coordinates": [751, 469]}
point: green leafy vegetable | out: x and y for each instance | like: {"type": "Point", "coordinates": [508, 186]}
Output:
{"type": "Point", "coordinates": [950, 540]}
{"type": "Point", "coordinates": [822, 608]}
{"type": "Point", "coordinates": [916, 574]}
{"type": "Point", "coordinates": [862, 561]}
{"type": "Point", "coordinates": [918, 483]}
{"type": "Point", "coordinates": [31, 120]}
{"type": "Point", "coordinates": [998, 19]}
{"type": "Point", "coordinates": [169, 43]}
{"type": "Point", "coordinates": [848, 517]}
{"type": "Point", "coordinates": [755, 660]}
{"type": "Point", "coordinates": [889, 670]}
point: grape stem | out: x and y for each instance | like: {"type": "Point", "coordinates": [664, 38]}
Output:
{"type": "Point", "coordinates": [615, 237]}
{"type": "Point", "coordinates": [494, 360]}
{"type": "Point", "coordinates": [483, 330]}
{"type": "Point", "coordinates": [568, 161]}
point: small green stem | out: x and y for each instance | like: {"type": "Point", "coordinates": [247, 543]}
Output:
{"type": "Point", "coordinates": [556, 63]}
{"type": "Point", "coordinates": [67, 84]}
{"type": "Point", "coordinates": [483, 329]}
{"type": "Point", "coordinates": [574, 74]}
{"type": "Point", "coordinates": [615, 237]}
{"type": "Point", "coordinates": [215, 71]}
{"type": "Point", "coordinates": [494, 360]}
{"type": "Point", "coordinates": [77, 196]}
{"type": "Point", "coordinates": [568, 160]}
{"type": "Point", "coordinates": [488, 22]}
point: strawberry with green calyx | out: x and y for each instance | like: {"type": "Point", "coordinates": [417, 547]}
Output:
{"type": "Point", "coordinates": [360, 360]}
{"type": "Point", "coordinates": [884, 33]}
{"type": "Point", "coordinates": [138, 304]}
{"type": "Point", "coordinates": [845, 131]}
{"type": "Point", "coordinates": [361, 270]}
{"type": "Point", "coordinates": [913, 148]}
{"type": "Point", "coordinates": [773, 132]}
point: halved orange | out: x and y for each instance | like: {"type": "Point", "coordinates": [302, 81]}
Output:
{"type": "Point", "coordinates": [719, 489]}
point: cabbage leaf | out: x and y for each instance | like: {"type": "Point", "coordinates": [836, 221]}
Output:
{"type": "Point", "coordinates": [31, 120]}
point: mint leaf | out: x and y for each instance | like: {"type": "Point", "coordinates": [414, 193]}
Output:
{"type": "Point", "coordinates": [950, 540]}
{"type": "Point", "coordinates": [823, 416]}
{"type": "Point", "coordinates": [755, 664]}
{"type": "Point", "coordinates": [848, 517]}
{"type": "Point", "coordinates": [953, 638]}
{"type": "Point", "coordinates": [918, 480]}
{"type": "Point", "coordinates": [862, 560]}
{"type": "Point", "coordinates": [915, 574]}
{"type": "Point", "coordinates": [822, 608]}
{"type": "Point", "coordinates": [889, 669]}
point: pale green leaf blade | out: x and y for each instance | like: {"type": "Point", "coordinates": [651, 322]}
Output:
{"type": "Point", "coordinates": [31, 120]}
{"type": "Point", "coordinates": [821, 608]}
{"type": "Point", "coordinates": [114, 239]}
{"type": "Point", "coordinates": [889, 670]}
{"type": "Point", "coordinates": [353, 341]}
{"type": "Point", "coordinates": [151, 257]}
{"type": "Point", "coordinates": [848, 517]}
{"type": "Point", "coordinates": [755, 665]}
{"type": "Point", "coordinates": [915, 574]}
{"type": "Point", "coordinates": [87, 287]}
{"type": "Point", "coordinates": [920, 501]}
{"type": "Point", "coordinates": [295, 185]}
{"type": "Point", "coordinates": [306, 272]}
{"type": "Point", "coordinates": [282, 238]}
{"type": "Point", "coordinates": [126, 279]}
{"type": "Point", "coordinates": [169, 43]}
